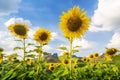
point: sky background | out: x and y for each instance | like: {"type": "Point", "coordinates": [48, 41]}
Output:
{"type": "Point", "coordinates": [104, 29]}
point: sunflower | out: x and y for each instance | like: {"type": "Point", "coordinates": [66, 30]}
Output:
{"type": "Point", "coordinates": [115, 69]}
{"type": "Point", "coordinates": [96, 55]}
{"type": "Point", "coordinates": [51, 68]}
{"type": "Point", "coordinates": [1, 60]}
{"type": "Point", "coordinates": [111, 51]}
{"type": "Point", "coordinates": [1, 49]}
{"type": "Point", "coordinates": [29, 61]}
{"type": "Point", "coordinates": [84, 59]}
{"type": "Point", "coordinates": [88, 59]}
{"type": "Point", "coordinates": [42, 36]}
{"type": "Point", "coordinates": [65, 53]}
{"type": "Point", "coordinates": [91, 56]}
{"type": "Point", "coordinates": [65, 62]}
{"type": "Point", "coordinates": [74, 23]}
{"type": "Point", "coordinates": [19, 30]}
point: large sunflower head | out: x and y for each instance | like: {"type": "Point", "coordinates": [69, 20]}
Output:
{"type": "Point", "coordinates": [19, 30]}
{"type": "Point", "coordinates": [42, 36]}
{"type": "Point", "coordinates": [74, 23]}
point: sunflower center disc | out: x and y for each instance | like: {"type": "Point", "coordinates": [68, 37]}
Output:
{"type": "Point", "coordinates": [43, 36]}
{"type": "Point", "coordinates": [91, 56]}
{"type": "Point", "coordinates": [20, 30]}
{"type": "Point", "coordinates": [96, 55]}
{"type": "Point", "coordinates": [74, 23]}
{"type": "Point", "coordinates": [66, 62]}
{"type": "Point", "coordinates": [52, 68]}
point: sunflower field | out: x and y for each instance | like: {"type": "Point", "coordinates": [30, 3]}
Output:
{"type": "Point", "coordinates": [74, 23]}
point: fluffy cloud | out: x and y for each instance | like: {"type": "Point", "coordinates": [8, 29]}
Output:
{"type": "Point", "coordinates": [85, 45]}
{"type": "Point", "coordinates": [9, 6]}
{"type": "Point", "coordinates": [106, 17]}
{"type": "Point", "coordinates": [18, 20]}
{"type": "Point", "coordinates": [7, 42]}
{"type": "Point", "coordinates": [115, 41]}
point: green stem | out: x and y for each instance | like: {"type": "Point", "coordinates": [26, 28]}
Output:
{"type": "Point", "coordinates": [40, 53]}
{"type": "Point", "coordinates": [71, 40]}
{"type": "Point", "coordinates": [24, 48]}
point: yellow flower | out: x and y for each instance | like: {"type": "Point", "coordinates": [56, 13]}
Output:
{"type": "Point", "coordinates": [1, 60]}
{"type": "Point", "coordinates": [51, 68]}
{"type": "Point", "coordinates": [19, 30]}
{"type": "Point", "coordinates": [91, 56]}
{"type": "Point", "coordinates": [65, 62]}
{"type": "Point", "coordinates": [42, 36]}
{"type": "Point", "coordinates": [84, 59]}
{"type": "Point", "coordinates": [74, 23]}
{"type": "Point", "coordinates": [52, 64]}
{"type": "Point", "coordinates": [96, 55]}
{"type": "Point", "coordinates": [29, 61]}
{"type": "Point", "coordinates": [88, 59]}
{"type": "Point", "coordinates": [65, 53]}
{"type": "Point", "coordinates": [115, 69]}
{"type": "Point", "coordinates": [1, 49]}
{"type": "Point", "coordinates": [111, 51]}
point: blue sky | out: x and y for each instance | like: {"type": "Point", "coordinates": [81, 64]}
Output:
{"type": "Point", "coordinates": [103, 31]}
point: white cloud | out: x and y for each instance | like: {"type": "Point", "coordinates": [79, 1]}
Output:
{"type": "Point", "coordinates": [54, 35]}
{"type": "Point", "coordinates": [85, 45]}
{"type": "Point", "coordinates": [9, 6]}
{"type": "Point", "coordinates": [106, 17]}
{"type": "Point", "coordinates": [115, 41]}
{"type": "Point", "coordinates": [18, 20]}
{"type": "Point", "coordinates": [7, 42]}
{"type": "Point", "coordinates": [47, 48]}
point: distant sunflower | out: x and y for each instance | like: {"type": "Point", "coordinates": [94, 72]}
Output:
{"type": "Point", "coordinates": [111, 51]}
{"type": "Point", "coordinates": [91, 56]}
{"type": "Point", "coordinates": [74, 23]}
{"type": "Point", "coordinates": [1, 49]}
{"type": "Point", "coordinates": [1, 60]}
{"type": "Point", "coordinates": [65, 62]}
{"type": "Point", "coordinates": [96, 55]}
{"type": "Point", "coordinates": [88, 59]}
{"type": "Point", "coordinates": [65, 53]}
{"type": "Point", "coordinates": [42, 36]}
{"type": "Point", "coordinates": [84, 59]}
{"type": "Point", "coordinates": [29, 61]}
{"type": "Point", "coordinates": [19, 30]}
{"type": "Point", "coordinates": [51, 68]}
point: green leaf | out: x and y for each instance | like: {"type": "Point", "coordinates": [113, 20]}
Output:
{"type": "Point", "coordinates": [62, 48]}
{"type": "Point", "coordinates": [31, 73]}
{"type": "Point", "coordinates": [30, 44]}
{"type": "Point", "coordinates": [77, 46]}
{"type": "Point", "coordinates": [19, 40]}
{"type": "Point", "coordinates": [21, 76]}
{"type": "Point", "coordinates": [17, 48]}
{"type": "Point", "coordinates": [30, 55]}
{"type": "Point", "coordinates": [74, 51]}
{"type": "Point", "coordinates": [7, 75]}
{"type": "Point", "coordinates": [13, 75]}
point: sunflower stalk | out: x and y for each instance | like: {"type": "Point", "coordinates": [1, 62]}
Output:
{"type": "Point", "coordinates": [70, 55]}
{"type": "Point", "coordinates": [24, 48]}
{"type": "Point", "coordinates": [40, 53]}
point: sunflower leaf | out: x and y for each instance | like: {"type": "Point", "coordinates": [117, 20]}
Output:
{"type": "Point", "coordinates": [17, 48]}
{"type": "Point", "coordinates": [74, 51]}
{"type": "Point", "coordinates": [62, 48]}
